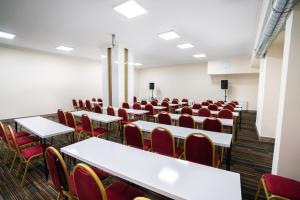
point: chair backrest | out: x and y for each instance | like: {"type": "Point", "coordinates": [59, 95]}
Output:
{"type": "Point", "coordinates": [154, 103]}
{"type": "Point", "coordinates": [81, 104]}
{"type": "Point", "coordinates": [225, 114]}
{"type": "Point", "coordinates": [97, 108]}
{"type": "Point", "coordinates": [58, 169]}
{"type": "Point", "coordinates": [71, 122]}
{"type": "Point", "coordinates": [14, 143]}
{"type": "Point", "coordinates": [235, 102]}
{"type": "Point", "coordinates": [74, 102]}
{"type": "Point", "coordinates": [61, 117]}
{"type": "Point", "coordinates": [137, 106]}
{"type": "Point", "coordinates": [175, 101]}
{"type": "Point", "coordinates": [221, 102]}
{"type": "Point", "coordinates": [166, 99]}
{"type": "Point", "coordinates": [88, 184]}
{"type": "Point", "coordinates": [123, 113]}
{"type": "Point", "coordinates": [93, 99]}
{"type": "Point", "coordinates": [99, 100]}
{"type": "Point", "coordinates": [186, 110]}
{"type": "Point", "coordinates": [209, 101]}
{"type": "Point", "coordinates": [144, 102]}
{"type": "Point", "coordinates": [232, 104]}
{"type": "Point", "coordinates": [86, 123]}
{"type": "Point", "coordinates": [149, 108]}
{"type": "Point", "coordinates": [162, 142]}
{"type": "Point", "coordinates": [3, 134]}
{"type": "Point", "coordinates": [186, 121]}
{"type": "Point", "coordinates": [111, 111]}
{"type": "Point", "coordinates": [212, 107]}
{"type": "Point", "coordinates": [185, 100]}
{"type": "Point", "coordinates": [164, 118]}
{"type": "Point", "coordinates": [197, 106]}
{"type": "Point", "coordinates": [218, 104]}
{"type": "Point", "coordinates": [133, 136]}
{"type": "Point", "coordinates": [134, 99]}
{"type": "Point", "coordinates": [125, 105]}
{"type": "Point", "coordinates": [229, 107]}
{"type": "Point", "coordinates": [88, 105]}
{"type": "Point", "coordinates": [165, 104]}
{"type": "Point", "coordinates": [204, 103]}
{"type": "Point", "coordinates": [204, 112]}
{"type": "Point", "coordinates": [199, 148]}
{"type": "Point", "coordinates": [212, 124]}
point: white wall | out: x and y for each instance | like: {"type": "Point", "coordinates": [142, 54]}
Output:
{"type": "Point", "coordinates": [36, 83]}
{"type": "Point", "coordinates": [193, 82]}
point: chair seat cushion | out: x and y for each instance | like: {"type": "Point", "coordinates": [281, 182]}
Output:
{"type": "Point", "coordinates": [282, 186]}
{"type": "Point", "coordinates": [178, 152]}
{"type": "Point", "coordinates": [121, 191]}
{"type": "Point", "coordinates": [18, 134]}
{"type": "Point", "coordinates": [79, 128]}
{"type": "Point", "coordinates": [147, 144]}
{"type": "Point", "coordinates": [24, 140]}
{"type": "Point", "coordinates": [100, 173]}
{"type": "Point", "coordinates": [97, 132]}
{"type": "Point", "coordinates": [32, 151]}
{"type": "Point", "coordinates": [72, 185]}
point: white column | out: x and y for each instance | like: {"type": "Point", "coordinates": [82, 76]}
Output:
{"type": "Point", "coordinates": [286, 159]}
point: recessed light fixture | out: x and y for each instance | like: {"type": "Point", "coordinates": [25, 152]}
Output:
{"type": "Point", "coordinates": [63, 48]}
{"type": "Point", "coordinates": [103, 56]}
{"type": "Point", "coordinates": [185, 46]}
{"type": "Point", "coordinates": [202, 55]}
{"type": "Point", "coordinates": [138, 64]}
{"type": "Point", "coordinates": [7, 35]}
{"type": "Point", "coordinates": [170, 35]}
{"type": "Point", "coordinates": [130, 9]}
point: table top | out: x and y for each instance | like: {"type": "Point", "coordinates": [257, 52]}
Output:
{"type": "Point", "coordinates": [220, 108]}
{"type": "Point", "coordinates": [219, 139]}
{"type": "Point", "coordinates": [214, 112]}
{"type": "Point", "coordinates": [42, 127]}
{"type": "Point", "coordinates": [171, 177]}
{"type": "Point", "coordinates": [97, 116]}
{"type": "Point", "coordinates": [133, 111]}
{"type": "Point", "coordinates": [170, 104]}
{"type": "Point", "coordinates": [155, 107]}
{"type": "Point", "coordinates": [199, 119]}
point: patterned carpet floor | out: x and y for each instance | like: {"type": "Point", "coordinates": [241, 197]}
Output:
{"type": "Point", "coordinates": [250, 157]}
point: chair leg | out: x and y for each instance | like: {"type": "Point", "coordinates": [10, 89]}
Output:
{"type": "Point", "coordinates": [25, 172]}
{"type": "Point", "coordinates": [13, 162]}
{"type": "Point", "coordinates": [59, 196]}
{"type": "Point", "coordinates": [19, 167]}
{"type": "Point", "coordinates": [258, 189]}
{"type": "Point", "coordinates": [6, 155]}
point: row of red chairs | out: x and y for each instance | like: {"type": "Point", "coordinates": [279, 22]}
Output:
{"type": "Point", "coordinates": [87, 105]}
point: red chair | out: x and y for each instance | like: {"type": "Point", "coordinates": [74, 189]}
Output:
{"type": "Point", "coordinates": [111, 111]}
{"type": "Point", "coordinates": [123, 113]}
{"type": "Point", "coordinates": [204, 112]}
{"type": "Point", "coordinates": [218, 104]}
{"type": "Point", "coordinates": [75, 105]}
{"type": "Point", "coordinates": [232, 104]}
{"type": "Point", "coordinates": [196, 106]}
{"type": "Point", "coordinates": [198, 148]}
{"type": "Point", "coordinates": [166, 99]}
{"type": "Point", "coordinates": [72, 123]}
{"type": "Point", "coordinates": [225, 114]}
{"type": "Point", "coordinates": [210, 101]}
{"type": "Point", "coordinates": [61, 117]}
{"type": "Point", "coordinates": [166, 104]}
{"type": "Point", "coordinates": [162, 142]}
{"type": "Point", "coordinates": [99, 100]}
{"type": "Point", "coordinates": [213, 107]}
{"type": "Point", "coordinates": [88, 130]}
{"type": "Point", "coordinates": [278, 187]}
{"type": "Point", "coordinates": [175, 99]}
{"type": "Point", "coordinates": [186, 121]}
{"type": "Point", "coordinates": [151, 113]}
{"type": "Point", "coordinates": [97, 108]}
{"type": "Point", "coordinates": [164, 118]}
{"type": "Point", "coordinates": [125, 105]}
{"type": "Point", "coordinates": [88, 105]}
{"type": "Point", "coordinates": [204, 104]}
{"type": "Point", "coordinates": [137, 106]}
{"type": "Point", "coordinates": [81, 105]}
{"type": "Point", "coordinates": [134, 137]}
{"type": "Point", "coordinates": [134, 99]}
{"type": "Point", "coordinates": [154, 103]}
{"type": "Point", "coordinates": [186, 110]}
{"type": "Point", "coordinates": [212, 124]}
{"type": "Point", "coordinates": [90, 187]}
{"type": "Point", "coordinates": [26, 155]}
{"type": "Point", "coordinates": [221, 102]}
{"type": "Point", "coordinates": [235, 102]}
{"type": "Point", "coordinates": [229, 107]}
{"type": "Point", "coordinates": [186, 101]}
{"type": "Point", "coordinates": [144, 102]}
{"type": "Point", "coordinates": [93, 99]}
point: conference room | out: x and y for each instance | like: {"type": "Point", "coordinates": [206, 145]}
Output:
{"type": "Point", "coordinates": [149, 100]}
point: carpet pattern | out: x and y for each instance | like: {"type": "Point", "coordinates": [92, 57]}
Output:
{"type": "Point", "coordinates": [250, 157]}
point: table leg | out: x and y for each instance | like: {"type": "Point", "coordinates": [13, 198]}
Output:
{"type": "Point", "coordinates": [16, 126]}
{"type": "Point", "coordinates": [228, 157]}
{"type": "Point", "coordinates": [45, 163]}
{"type": "Point", "coordinates": [107, 131]}
{"type": "Point", "coordinates": [240, 123]}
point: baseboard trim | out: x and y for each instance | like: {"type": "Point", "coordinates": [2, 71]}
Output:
{"type": "Point", "coordinates": [264, 139]}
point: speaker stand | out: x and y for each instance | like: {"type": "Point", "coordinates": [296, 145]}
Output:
{"type": "Point", "coordinates": [225, 97]}
{"type": "Point", "coordinates": [152, 95]}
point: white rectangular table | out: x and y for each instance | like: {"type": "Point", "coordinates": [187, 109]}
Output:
{"type": "Point", "coordinates": [97, 116]}
{"type": "Point", "coordinates": [171, 177]}
{"type": "Point", "coordinates": [219, 139]}
{"type": "Point", "coordinates": [214, 112]}
{"type": "Point", "coordinates": [132, 111]}
{"type": "Point", "coordinates": [170, 104]}
{"type": "Point", "coordinates": [155, 107]}
{"type": "Point", "coordinates": [43, 128]}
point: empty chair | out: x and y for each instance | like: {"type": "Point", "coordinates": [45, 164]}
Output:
{"type": "Point", "coordinates": [72, 122]}
{"type": "Point", "coordinates": [235, 102]}
{"type": "Point", "coordinates": [185, 101]}
{"type": "Point", "coordinates": [75, 105]}
{"type": "Point", "coordinates": [81, 105]}
{"type": "Point", "coordinates": [99, 100]}
{"type": "Point", "coordinates": [134, 99]}
{"type": "Point", "coordinates": [225, 114]}
{"type": "Point", "coordinates": [199, 148]}
{"type": "Point", "coordinates": [175, 99]}
{"type": "Point", "coordinates": [88, 105]}
{"type": "Point", "coordinates": [97, 108]}
{"type": "Point", "coordinates": [162, 142]}
{"type": "Point", "coordinates": [134, 137]}
{"type": "Point", "coordinates": [210, 101]}
{"type": "Point", "coordinates": [166, 99]}
{"type": "Point", "coordinates": [137, 106]}
{"type": "Point", "coordinates": [111, 111]}
{"type": "Point", "coordinates": [61, 117]}
{"type": "Point", "coordinates": [229, 107]}
{"type": "Point", "coordinates": [213, 107]}
{"type": "Point", "coordinates": [87, 128]}
{"type": "Point", "coordinates": [123, 113]}
{"type": "Point", "coordinates": [166, 105]}
{"type": "Point", "coordinates": [197, 106]}
{"type": "Point", "coordinates": [125, 105]}
{"type": "Point", "coordinates": [150, 114]}
{"type": "Point", "coordinates": [204, 112]}
{"type": "Point", "coordinates": [186, 110]}
{"type": "Point", "coordinates": [204, 104]}
{"type": "Point", "coordinates": [93, 99]}
{"type": "Point", "coordinates": [212, 124]}
{"type": "Point", "coordinates": [164, 118]}
{"type": "Point", "coordinates": [154, 103]}
{"type": "Point", "coordinates": [186, 121]}
{"type": "Point", "coordinates": [232, 104]}
{"type": "Point", "coordinates": [218, 104]}
{"type": "Point", "coordinates": [221, 102]}
{"type": "Point", "coordinates": [90, 187]}
{"type": "Point", "coordinates": [278, 187]}
{"type": "Point", "coordinates": [144, 102]}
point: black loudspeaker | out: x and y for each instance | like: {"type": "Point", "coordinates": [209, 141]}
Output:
{"type": "Point", "coordinates": [224, 84]}
{"type": "Point", "coordinates": [151, 86]}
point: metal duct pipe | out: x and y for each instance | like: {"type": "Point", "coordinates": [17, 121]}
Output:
{"type": "Point", "coordinates": [278, 12]}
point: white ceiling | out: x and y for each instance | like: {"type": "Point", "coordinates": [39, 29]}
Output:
{"type": "Point", "coordinates": [218, 28]}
